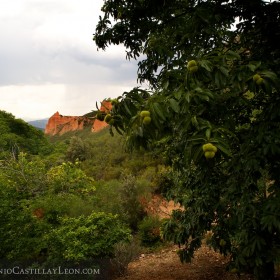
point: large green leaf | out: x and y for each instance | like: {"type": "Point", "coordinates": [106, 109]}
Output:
{"type": "Point", "coordinates": [174, 105]}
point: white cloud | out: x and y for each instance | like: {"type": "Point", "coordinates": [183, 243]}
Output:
{"type": "Point", "coordinates": [48, 58]}
{"type": "Point", "coordinates": [29, 101]}
{"type": "Point", "coordinates": [10, 9]}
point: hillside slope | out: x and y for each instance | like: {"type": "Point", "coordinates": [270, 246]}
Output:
{"type": "Point", "coordinates": [16, 133]}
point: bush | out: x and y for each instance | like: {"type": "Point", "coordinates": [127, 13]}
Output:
{"type": "Point", "coordinates": [124, 253]}
{"type": "Point", "coordinates": [149, 231]}
{"type": "Point", "coordinates": [130, 202]}
{"type": "Point", "coordinates": [83, 238]}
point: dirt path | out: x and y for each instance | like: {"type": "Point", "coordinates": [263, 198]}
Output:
{"type": "Point", "coordinates": [165, 265]}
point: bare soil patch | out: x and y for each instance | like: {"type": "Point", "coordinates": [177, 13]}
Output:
{"type": "Point", "coordinates": [165, 265]}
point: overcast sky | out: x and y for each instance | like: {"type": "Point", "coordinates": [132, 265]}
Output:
{"type": "Point", "coordinates": [49, 62]}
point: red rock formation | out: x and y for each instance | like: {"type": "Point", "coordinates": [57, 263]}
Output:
{"type": "Point", "coordinates": [106, 106]}
{"type": "Point", "coordinates": [98, 125]}
{"type": "Point", "coordinates": [58, 124]}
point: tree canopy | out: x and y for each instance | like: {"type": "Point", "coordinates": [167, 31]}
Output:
{"type": "Point", "coordinates": [212, 111]}
{"type": "Point", "coordinates": [17, 135]}
{"type": "Point", "coordinates": [169, 33]}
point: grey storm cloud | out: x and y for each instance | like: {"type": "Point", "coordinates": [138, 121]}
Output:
{"type": "Point", "coordinates": [33, 50]}
{"type": "Point", "coordinates": [29, 64]}
{"type": "Point", "coordinates": [47, 52]}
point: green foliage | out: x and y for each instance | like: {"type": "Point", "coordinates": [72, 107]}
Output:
{"type": "Point", "coordinates": [36, 203]}
{"type": "Point", "coordinates": [57, 155]}
{"type": "Point", "coordinates": [124, 253]}
{"type": "Point", "coordinates": [51, 214]}
{"type": "Point", "coordinates": [17, 135]}
{"type": "Point", "coordinates": [150, 231]}
{"type": "Point", "coordinates": [170, 33]}
{"type": "Point", "coordinates": [77, 149]}
{"type": "Point", "coordinates": [110, 166]}
{"type": "Point", "coordinates": [130, 199]}
{"type": "Point", "coordinates": [105, 191]}
{"type": "Point", "coordinates": [53, 211]}
{"type": "Point", "coordinates": [21, 234]}
{"type": "Point", "coordinates": [104, 157]}
{"type": "Point", "coordinates": [231, 99]}
{"type": "Point", "coordinates": [69, 178]}
{"type": "Point", "coordinates": [85, 238]}
{"type": "Point", "coordinates": [127, 193]}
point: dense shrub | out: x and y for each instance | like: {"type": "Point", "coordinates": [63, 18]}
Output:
{"type": "Point", "coordinates": [88, 237]}
{"type": "Point", "coordinates": [149, 231]}
{"type": "Point", "coordinates": [124, 253]}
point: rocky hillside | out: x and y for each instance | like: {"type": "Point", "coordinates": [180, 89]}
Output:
{"type": "Point", "coordinates": [59, 124]}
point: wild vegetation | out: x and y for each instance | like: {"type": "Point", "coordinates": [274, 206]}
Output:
{"type": "Point", "coordinates": [212, 110]}
{"type": "Point", "coordinates": [211, 113]}
{"type": "Point", "coordinates": [70, 199]}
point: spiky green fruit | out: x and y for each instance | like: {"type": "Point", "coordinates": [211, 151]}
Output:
{"type": "Point", "coordinates": [259, 81]}
{"type": "Point", "coordinates": [191, 63]}
{"type": "Point", "coordinates": [209, 147]}
{"type": "Point", "coordinates": [256, 77]}
{"type": "Point", "coordinates": [144, 114]}
{"type": "Point", "coordinates": [209, 154]}
{"type": "Point", "coordinates": [108, 118]}
{"type": "Point", "coordinates": [193, 69]}
{"type": "Point", "coordinates": [147, 120]}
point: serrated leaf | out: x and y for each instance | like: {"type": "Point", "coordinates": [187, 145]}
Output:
{"type": "Point", "coordinates": [203, 97]}
{"type": "Point", "coordinates": [252, 67]}
{"type": "Point", "coordinates": [206, 64]}
{"type": "Point", "coordinates": [231, 54]}
{"type": "Point", "coordinates": [198, 89]}
{"type": "Point", "coordinates": [158, 110]}
{"type": "Point", "coordinates": [178, 94]}
{"type": "Point", "coordinates": [270, 75]}
{"type": "Point", "coordinates": [224, 149]}
{"type": "Point", "coordinates": [127, 108]}
{"type": "Point", "coordinates": [194, 121]}
{"type": "Point", "coordinates": [174, 105]}
{"type": "Point", "coordinates": [196, 138]}
{"type": "Point", "coordinates": [208, 133]}
{"type": "Point", "coordinates": [140, 131]}
{"type": "Point", "coordinates": [209, 93]}
{"type": "Point", "coordinates": [224, 70]}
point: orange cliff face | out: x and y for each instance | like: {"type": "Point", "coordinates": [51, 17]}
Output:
{"type": "Point", "coordinates": [58, 124]}
{"type": "Point", "coordinates": [106, 106]}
